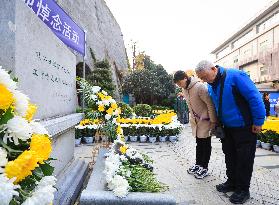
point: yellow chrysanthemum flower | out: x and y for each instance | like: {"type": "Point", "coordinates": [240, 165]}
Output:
{"type": "Point", "coordinates": [31, 110]}
{"type": "Point", "coordinates": [114, 106]}
{"type": "Point", "coordinates": [22, 167]}
{"type": "Point", "coordinates": [101, 108]}
{"type": "Point", "coordinates": [123, 149]}
{"type": "Point", "coordinates": [41, 144]}
{"type": "Point", "coordinates": [6, 98]}
{"type": "Point", "coordinates": [119, 130]}
{"type": "Point", "coordinates": [110, 111]}
{"type": "Point", "coordinates": [101, 95]}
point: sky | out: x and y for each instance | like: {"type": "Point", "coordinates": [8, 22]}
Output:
{"type": "Point", "coordinates": [180, 33]}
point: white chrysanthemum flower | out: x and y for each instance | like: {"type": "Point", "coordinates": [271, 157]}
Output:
{"type": "Point", "coordinates": [106, 102]}
{"type": "Point", "coordinates": [38, 128]}
{"type": "Point", "coordinates": [123, 158]}
{"type": "Point", "coordinates": [107, 116]}
{"type": "Point", "coordinates": [104, 92]}
{"type": "Point", "coordinates": [17, 128]}
{"type": "Point", "coordinates": [21, 103]}
{"type": "Point", "coordinates": [7, 189]}
{"type": "Point", "coordinates": [3, 159]}
{"type": "Point", "coordinates": [80, 127]}
{"type": "Point", "coordinates": [96, 89]}
{"type": "Point", "coordinates": [94, 97]}
{"type": "Point", "coordinates": [44, 192]}
{"type": "Point", "coordinates": [114, 120]}
{"type": "Point", "coordinates": [119, 185]}
{"type": "Point", "coordinates": [112, 101]}
{"type": "Point", "coordinates": [6, 80]}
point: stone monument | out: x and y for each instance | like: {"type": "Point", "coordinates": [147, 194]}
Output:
{"type": "Point", "coordinates": [45, 68]}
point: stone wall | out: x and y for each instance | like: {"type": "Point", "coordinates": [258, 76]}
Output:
{"type": "Point", "coordinates": [104, 35]}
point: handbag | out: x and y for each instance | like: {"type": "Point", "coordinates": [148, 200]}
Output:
{"type": "Point", "coordinates": [219, 131]}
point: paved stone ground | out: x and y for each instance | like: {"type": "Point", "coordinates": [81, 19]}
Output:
{"type": "Point", "coordinates": [171, 161]}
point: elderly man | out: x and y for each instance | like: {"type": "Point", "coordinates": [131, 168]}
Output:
{"type": "Point", "coordinates": [241, 113]}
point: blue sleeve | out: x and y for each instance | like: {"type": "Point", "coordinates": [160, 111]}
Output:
{"type": "Point", "coordinates": [249, 91]}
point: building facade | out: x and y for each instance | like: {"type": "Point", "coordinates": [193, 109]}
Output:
{"type": "Point", "coordinates": [255, 47]}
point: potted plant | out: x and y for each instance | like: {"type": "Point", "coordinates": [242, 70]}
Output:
{"type": "Point", "coordinates": [275, 144]}
{"type": "Point", "coordinates": [259, 136]}
{"type": "Point", "coordinates": [275, 141]}
{"type": "Point", "coordinates": [126, 133]}
{"type": "Point", "coordinates": [153, 134]}
{"type": "Point", "coordinates": [173, 135]}
{"type": "Point", "coordinates": [142, 134]}
{"type": "Point", "coordinates": [163, 136]}
{"type": "Point", "coordinates": [133, 134]}
{"type": "Point", "coordinates": [77, 136]}
{"type": "Point", "coordinates": [88, 138]}
{"type": "Point", "coordinates": [265, 140]}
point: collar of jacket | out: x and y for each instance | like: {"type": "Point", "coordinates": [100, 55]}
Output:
{"type": "Point", "coordinates": [192, 83]}
{"type": "Point", "coordinates": [218, 76]}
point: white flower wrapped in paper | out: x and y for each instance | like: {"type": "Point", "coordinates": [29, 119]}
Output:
{"type": "Point", "coordinates": [96, 89]}
{"type": "Point", "coordinates": [6, 80]}
{"type": "Point", "coordinates": [94, 97]}
{"type": "Point", "coordinates": [119, 185]}
{"type": "Point", "coordinates": [7, 189]}
{"type": "Point", "coordinates": [38, 128]}
{"type": "Point", "coordinates": [44, 192]}
{"type": "Point", "coordinates": [17, 128]}
{"type": "Point", "coordinates": [21, 103]}
{"type": "Point", "coordinates": [3, 159]}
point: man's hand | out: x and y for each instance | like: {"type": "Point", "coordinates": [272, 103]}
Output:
{"type": "Point", "coordinates": [256, 129]}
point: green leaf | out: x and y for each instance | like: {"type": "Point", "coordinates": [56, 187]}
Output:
{"type": "Point", "coordinates": [47, 169]}
{"type": "Point", "coordinates": [6, 116]}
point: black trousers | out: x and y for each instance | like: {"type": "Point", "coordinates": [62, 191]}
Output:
{"type": "Point", "coordinates": [239, 147]}
{"type": "Point", "coordinates": [203, 151]}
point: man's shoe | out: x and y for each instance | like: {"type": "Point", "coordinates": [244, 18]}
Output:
{"type": "Point", "coordinates": [239, 197]}
{"type": "Point", "coordinates": [193, 169]}
{"type": "Point", "coordinates": [225, 187]}
{"type": "Point", "coordinates": [201, 173]}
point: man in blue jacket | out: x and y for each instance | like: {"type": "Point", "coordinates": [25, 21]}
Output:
{"type": "Point", "coordinates": [242, 115]}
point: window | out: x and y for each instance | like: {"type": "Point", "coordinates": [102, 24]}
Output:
{"type": "Point", "coordinates": [223, 52]}
{"type": "Point", "coordinates": [235, 59]}
{"type": "Point", "coordinates": [268, 23]}
{"type": "Point", "coordinates": [246, 37]}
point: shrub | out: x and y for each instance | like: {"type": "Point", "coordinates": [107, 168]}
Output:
{"type": "Point", "coordinates": [126, 110]}
{"type": "Point", "coordinates": [143, 110]}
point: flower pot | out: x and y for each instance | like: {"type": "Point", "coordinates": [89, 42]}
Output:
{"type": "Point", "coordinates": [126, 138]}
{"type": "Point", "coordinates": [88, 140]}
{"type": "Point", "coordinates": [276, 148]}
{"type": "Point", "coordinates": [133, 138]}
{"type": "Point", "coordinates": [266, 146]}
{"type": "Point", "coordinates": [258, 143]}
{"type": "Point", "coordinates": [143, 138]}
{"type": "Point", "coordinates": [152, 139]}
{"type": "Point", "coordinates": [163, 138]}
{"type": "Point", "coordinates": [172, 138]}
{"type": "Point", "coordinates": [77, 141]}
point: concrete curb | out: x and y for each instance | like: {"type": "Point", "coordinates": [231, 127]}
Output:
{"type": "Point", "coordinates": [70, 182]}
{"type": "Point", "coordinates": [96, 194]}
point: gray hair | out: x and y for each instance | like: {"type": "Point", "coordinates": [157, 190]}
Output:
{"type": "Point", "coordinates": [204, 65]}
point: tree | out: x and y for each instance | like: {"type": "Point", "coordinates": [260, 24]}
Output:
{"type": "Point", "coordinates": [102, 76]}
{"type": "Point", "coordinates": [150, 86]}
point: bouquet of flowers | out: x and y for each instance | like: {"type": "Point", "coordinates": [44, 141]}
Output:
{"type": "Point", "coordinates": [103, 108]}
{"type": "Point", "coordinates": [128, 170]}
{"type": "Point", "coordinates": [25, 148]}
